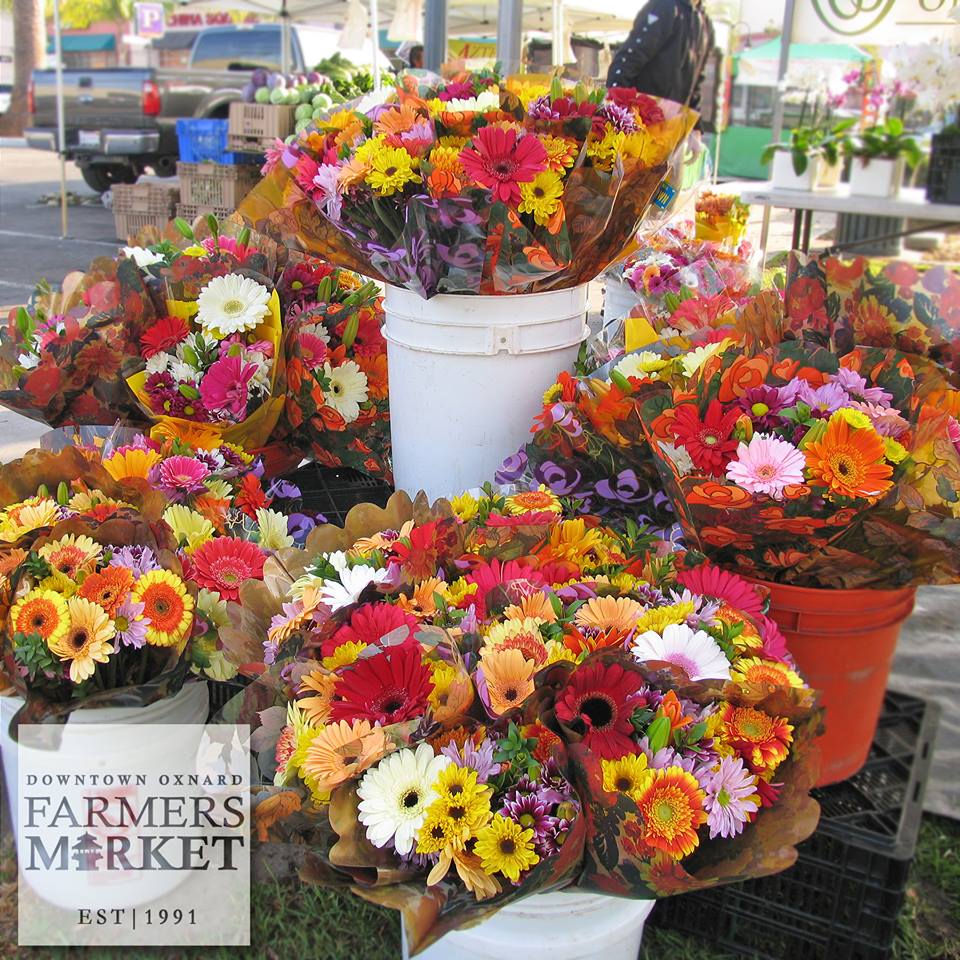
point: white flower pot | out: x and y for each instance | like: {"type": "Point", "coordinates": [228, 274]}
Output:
{"type": "Point", "coordinates": [876, 178]}
{"type": "Point", "coordinates": [551, 926]}
{"type": "Point", "coordinates": [784, 177]}
{"type": "Point", "coordinates": [85, 749]}
{"type": "Point", "coordinates": [619, 298]}
{"type": "Point", "coordinates": [467, 376]}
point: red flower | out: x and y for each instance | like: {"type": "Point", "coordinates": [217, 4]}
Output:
{"type": "Point", "coordinates": [646, 106]}
{"type": "Point", "coordinates": [509, 582]}
{"type": "Point", "coordinates": [388, 688]}
{"type": "Point", "coordinates": [708, 440]}
{"type": "Point", "coordinates": [250, 497]}
{"type": "Point", "coordinates": [501, 160]}
{"type": "Point", "coordinates": [368, 624]}
{"type": "Point", "coordinates": [711, 581]}
{"type": "Point", "coordinates": [224, 564]}
{"type": "Point", "coordinates": [598, 702]}
{"type": "Point", "coordinates": [166, 333]}
{"type": "Point", "coordinates": [43, 383]}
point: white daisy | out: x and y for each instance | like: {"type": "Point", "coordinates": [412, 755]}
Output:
{"type": "Point", "coordinates": [394, 796]}
{"type": "Point", "coordinates": [158, 363]}
{"type": "Point", "coordinates": [646, 363]}
{"type": "Point", "coordinates": [143, 257]}
{"type": "Point", "coordinates": [231, 304]}
{"type": "Point", "coordinates": [348, 389]}
{"type": "Point", "coordinates": [694, 651]}
{"type": "Point", "coordinates": [273, 530]}
{"type": "Point", "coordinates": [353, 581]}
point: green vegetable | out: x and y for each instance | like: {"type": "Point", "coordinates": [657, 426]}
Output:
{"type": "Point", "coordinates": [262, 95]}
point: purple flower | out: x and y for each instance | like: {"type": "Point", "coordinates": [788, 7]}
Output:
{"type": "Point", "coordinates": [130, 625]}
{"type": "Point", "coordinates": [731, 798]}
{"type": "Point", "coordinates": [887, 421]}
{"type": "Point", "coordinates": [762, 404]}
{"type": "Point", "coordinates": [283, 489]}
{"type": "Point", "coordinates": [856, 386]}
{"type": "Point", "coordinates": [620, 118]}
{"type": "Point", "coordinates": [823, 400]}
{"type": "Point", "coordinates": [542, 109]}
{"type": "Point", "coordinates": [513, 468]}
{"type": "Point", "coordinates": [475, 758]}
{"type": "Point", "coordinates": [532, 812]}
{"type": "Point", "coordinates": [299, 525]}
{"type": "Point", "coordinates": [138, 560]}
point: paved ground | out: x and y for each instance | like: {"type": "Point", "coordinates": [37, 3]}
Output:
{"type": "Point", "coordinates": [927, 662]}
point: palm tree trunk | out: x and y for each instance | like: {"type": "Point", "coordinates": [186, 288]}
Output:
{"type": "Point", "coordinates": [29, 42]}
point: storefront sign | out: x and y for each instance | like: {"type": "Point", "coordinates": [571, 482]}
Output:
{"type": "Point", "coordinates": [149, 19]}
{"type": "Point", "coordinates": [877, 22]}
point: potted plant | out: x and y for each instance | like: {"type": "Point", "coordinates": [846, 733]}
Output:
{"type": "Point", "coordinates": [879, 154]}
{"type": "Point", "coordinates": [799, 161]}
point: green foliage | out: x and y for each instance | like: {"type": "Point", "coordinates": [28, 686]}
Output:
{"type": "Point", "coordinates": [811, 141]}
{"type": "Point", "coordinates": [884, 141]}
{"type": "Point", "coordinates": [80, 14]}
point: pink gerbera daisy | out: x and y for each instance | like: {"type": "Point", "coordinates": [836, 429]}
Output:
{"type": "Point", "coordinates": [502, 160]}
{"type": "Point", "coordinates": [711, 581]}
{"type": "Point", "coordinates": [766, 465]}
{"type": "Point", "coordinates": [181, 474]}
{"type": "Point", "coordinates": [225, 386]}
{"type": "Point", "coordinates": [313, 351]}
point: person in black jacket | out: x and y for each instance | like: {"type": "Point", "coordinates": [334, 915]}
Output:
{"type": "Point", "coordinates": [666, 52]}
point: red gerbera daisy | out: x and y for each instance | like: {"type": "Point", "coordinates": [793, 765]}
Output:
{"type": "Point", "coordinates": [501, 160]}
{"type": "Point", "coordinates": [712, 581]}
{"type": "Point", "coordinates": [708, 441]}
{"type": "Point", "coordinates": [598, 703]}
{"type": "Point", "coordinates": [387, 688]}
{"type": "Point", "coordinates": [166, 333]}
{"type": "Point", "coordinates": [225, 563]}
{"type": "Point", "coordinates": [368, 624]}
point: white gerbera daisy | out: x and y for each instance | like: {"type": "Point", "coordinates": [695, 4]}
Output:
{"type": "Point", "coordinates": [352, 583]}
{"type": "Point", "coordinates": [694, 651]}
{"type": "Point", "coordinates": [394, 796]}
{"type": "Point", "coordinates": [646, 363]}
{"type": "Point", "coordinates": [273, 530]}
{"type": "Point", "coordinates": [348, 389]}
{"type": "Point", "coordinates": [142, 257]}
{"type": "Point", "coordinates": [231, 304]}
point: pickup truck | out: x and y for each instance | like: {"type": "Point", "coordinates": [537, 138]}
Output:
{"type": "Point", "coordinates": [121, 120]}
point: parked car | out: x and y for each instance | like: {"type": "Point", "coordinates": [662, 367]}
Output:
{"type": "Point", "coordinates": [119, 121]}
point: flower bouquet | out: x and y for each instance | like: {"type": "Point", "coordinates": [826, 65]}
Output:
{"type": "Point", "coordinates": [489, 702]}
{"type": "Point", "coordinates": [95, 610]}
{"type": "Point", "coordinates": [337, 404]}
{"type": "Point", "coordinates": [475, 186]}
{"type": "Point", "coordinates": [846, 303]}
{"type": "Point", "coordinates": [215, 366]}
{"type": "Point", "coordinates": [62, 356]}
{"type": "Point", "coordinates": [801, 466]}
{"type": "Point", "coordinates": [721, 218]}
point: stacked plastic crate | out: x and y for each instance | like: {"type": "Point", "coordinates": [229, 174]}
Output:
{"type": "Point", "coordinates": [254, 127]}
{"type": "Point", "coordinates": [137, 206]}
{"type": "Point", "coordinates": [213, 179]}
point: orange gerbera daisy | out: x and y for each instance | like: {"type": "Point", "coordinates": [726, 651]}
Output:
{"type": "Point", "coordinates": [41, 612]}
{"type": "Point", "coordinates": [108, 589]}
{"type": "Point", "coordinates": [762, 740]}
{"type": "Point", "coordinates": [509, 678]}
{"type": "Point", "coordinates": [535, 607]}
{"type": "Point", "coordinates": [534, 501]}
{"type": "Point", "coordinates": [672, 809]}
{"type": "Point", "coordinates": [755, 670]}
{"type": "Point", "coordinates": [342, 751]}
{"type": "Point", "coordinates": [316, 708]}
{"type": "Point", "coordinates": [522, 635]}
{"type": "Point", "coordinates": [605, 613]}
{"type": "Point", "coordinates": [167, 607]}
{"type": "Point", "coordinates": [849, 462]}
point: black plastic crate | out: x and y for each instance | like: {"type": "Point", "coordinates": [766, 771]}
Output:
{"type": "Point", "coordinates": [333, 492]}
{"type": "Point", "coordinates": [841, 900]}
{"type": "Point", "coordinates": [943, 174]}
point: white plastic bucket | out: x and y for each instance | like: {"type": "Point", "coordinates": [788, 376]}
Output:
{"type": "Point", "coordinates": [82, 737]}
{"type": "Point", "coordinates": [619, 298]}
{"type": "Point", "coordinates": [467, 376]}
{"type": "Point", "coordinates": [551, 926]}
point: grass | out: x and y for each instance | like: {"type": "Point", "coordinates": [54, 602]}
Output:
{"type": "Point", "coordinates": [299, 921]}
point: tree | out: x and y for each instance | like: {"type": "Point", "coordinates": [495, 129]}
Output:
{"type": "Point", "coordinates": [80, 14]}
{"type": "Point", "coordinates": [29, 40]}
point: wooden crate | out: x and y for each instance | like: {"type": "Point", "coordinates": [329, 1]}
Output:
{"type": "Point", "coordinates": [215, 184]}
{"type": "Point", "coordinates": [254, 126]}
{"type": "Point", "coordinates": [155, 198]}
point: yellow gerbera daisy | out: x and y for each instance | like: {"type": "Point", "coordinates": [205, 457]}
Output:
{"type": "Point", "coordinates": [87, 641]}
{"type": "Point", "coordinates": [41, 612]}
{"type": "Point", "coordinates": [391, 169]}
{"type": "Point", "coordinates": [755, 670]}
{"type": "Point", "coordinates": [541, 500]}
{"type": "Point", "coordinates": [659, 618]}
{"type": "Point", "coordinates": [465, 506]}
{"type": "Point", "coordinates": [505, 847]}
{"type": "Point", "coordinates": [168, 608]}
{"type": "Point", "coordinates": [344, 655]}
{"type": "Point", "coordinates": [131, 462]}
{"type": "Point", "coordinates": [14, 523]}
{"type": "Point", "coordinates": [71, 554]}
{"type": "Point", "coordinates": [629, 775]}
{"type": "Point", "coordinates": [541, 196]}
{"type": "Point", "coordinates": [605, 613]}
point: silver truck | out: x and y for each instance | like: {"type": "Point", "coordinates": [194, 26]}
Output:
{"type": "Point", "coordinates": [122, 120]}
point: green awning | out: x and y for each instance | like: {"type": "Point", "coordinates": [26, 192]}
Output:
{"type": "Point", "coordinates": [84, 42]}
{"type": "Point", "coordinates": [842, 52]}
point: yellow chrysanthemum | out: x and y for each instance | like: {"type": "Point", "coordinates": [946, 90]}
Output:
{"type": "Point", "coordinates": [465, 506]}
{"type": "Point", "coordinates": [571, 540]}
{"type": "Point", "coordinates": [219, 489]}
{"type": "Point", "coordinates": [541, 196]}
{"type": "Point", "coordinates": [560, 152]}
{"type": "Point", "coordinates": [344, 655]}
{"type": "Point", "coordinates": [273, 529]}
{"type": "Point", "coordinates": [856, 418]}
{"type": "Point", "coordinates": [659, 618]}
{"type": "Point", "coordinates": [448, 159]}
{"type": "Point", "coordinates": [454, 142]}
{"type": "Point", "coordinates": [605, 150]}
{"type": "Point", "coordinates": [131, 462]}
{"type": "Point", "coordinates": [895, 451]}
{"type": "Point", "coordinates": [459, 590]}
{"type": "Point", "coordinates": [391, 169]}
{"type": "Point", "coordinates": [61, 583]}
{"type": "Point", "coordinates": [189, 527]}
{"type": "Point", "coordinates": [629, 775]}
{"type": "Point", "coordinates": [505, 847]}
{"type": "Point", "coordinates": [557, 652]}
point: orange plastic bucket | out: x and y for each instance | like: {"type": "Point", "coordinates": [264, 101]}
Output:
{"type": "Point", "coordinates": [843, 642]}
